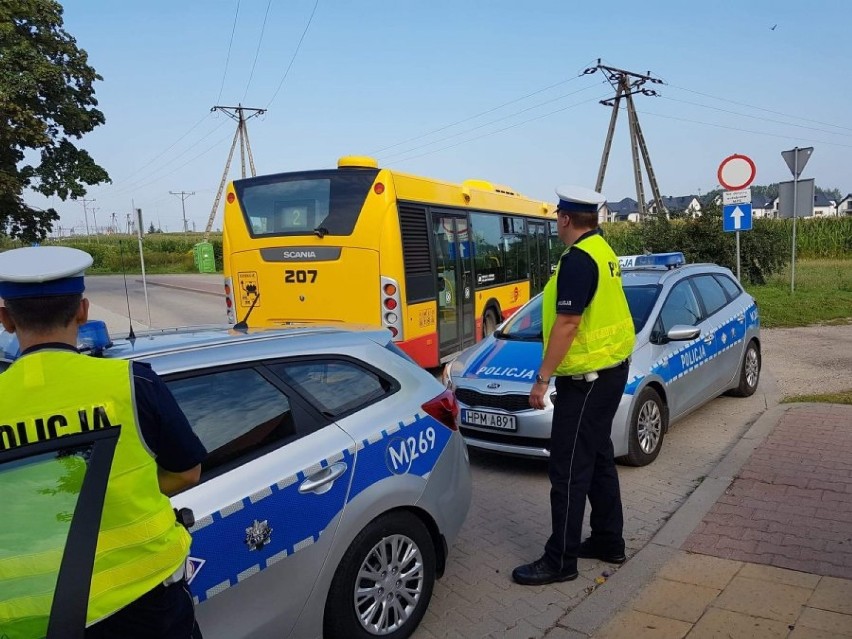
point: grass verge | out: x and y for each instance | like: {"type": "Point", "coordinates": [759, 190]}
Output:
{"type": "Point", "coordinates": [843, 397]}
{"type": "Point", "coordinates": [823, 295]}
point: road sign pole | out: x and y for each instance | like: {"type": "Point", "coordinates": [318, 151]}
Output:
{"type": "Point", "coordinates": [738, 257]}
{"type": "Point", "coordinates": [795, 198]}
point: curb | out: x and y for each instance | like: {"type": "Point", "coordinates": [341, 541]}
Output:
{"type": "Point", "coordinates": [180, 287]}
{"type": "Point", "coordinates": [609, 598]}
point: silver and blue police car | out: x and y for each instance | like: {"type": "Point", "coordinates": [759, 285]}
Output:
{"type": "Point", "coordinates": [335, 483]}
{"type": "Point", "coordinates": [697, 336]}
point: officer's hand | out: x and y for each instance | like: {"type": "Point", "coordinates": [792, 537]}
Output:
{"type": "Point", "coordinates": [537, 394]}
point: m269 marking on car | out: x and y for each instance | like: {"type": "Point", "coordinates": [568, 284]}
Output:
{"type": "Point", "coordinates": [236, 540]}
{"type": "Point", "coordinates": [402, 452]}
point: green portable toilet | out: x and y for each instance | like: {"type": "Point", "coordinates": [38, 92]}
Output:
{"type": "Point", "coordinates": [204, 259]}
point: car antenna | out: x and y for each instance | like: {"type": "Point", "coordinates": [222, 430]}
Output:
{"type": "Point", "coordinates": [131, 335]}
{"type": "Point", "coordinates": [242, 325]}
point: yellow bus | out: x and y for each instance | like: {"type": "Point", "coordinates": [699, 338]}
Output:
{"type": "Point", "coordinates": [438, 264]}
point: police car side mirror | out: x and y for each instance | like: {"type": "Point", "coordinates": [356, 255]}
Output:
{"type": "Point", "coordinates": [683, 333]}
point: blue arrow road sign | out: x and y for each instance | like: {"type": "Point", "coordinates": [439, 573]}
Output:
{"type": "Point", "coordinates": [736, 217]}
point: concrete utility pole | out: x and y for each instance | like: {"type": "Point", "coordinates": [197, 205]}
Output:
{"type": "Point", "coordinates": [86, 213]}
{"type": "Point", "coordinates": [626, 85]}
{"type": "Point", "coordinates": [241, 134]}
{"type": "Point", "coordinates": [183, 195]}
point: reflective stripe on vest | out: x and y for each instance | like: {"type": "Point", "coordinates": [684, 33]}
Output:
{"type": "Point", "coordinates": [51, 393]}
{"type": "Point", "coordinates": [606, 334]}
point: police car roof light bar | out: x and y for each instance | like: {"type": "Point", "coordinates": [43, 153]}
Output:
{"type": "Point", "coordinates": [669, 260]}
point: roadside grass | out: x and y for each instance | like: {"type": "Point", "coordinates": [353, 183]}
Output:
{"type": "Point", "coordinates": [823, 295]}
{"type": "Point", "coordinates": [843, 397]}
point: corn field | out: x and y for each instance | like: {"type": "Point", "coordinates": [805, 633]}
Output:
{"type": "Point", "coordinates": [820, 237]}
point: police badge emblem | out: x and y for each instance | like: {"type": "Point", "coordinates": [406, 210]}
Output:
{"type": "Point", "coordinates": [258, 534]}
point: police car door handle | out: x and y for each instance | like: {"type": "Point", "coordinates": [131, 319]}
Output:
{"type": "Point", "coordinates": [321, 481]}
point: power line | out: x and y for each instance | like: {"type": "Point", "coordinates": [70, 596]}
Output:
{"type": "Point", "coordinates": [293, 59]}
{"type": "Point", "coordinates": [473, 117]}
{"type": "Point", "coordinates": [228, 57]}
{"type": "Point", "coordinates": [756, 117]}
{"type": "Point", "coordinates": [257, 52]}
{"type": "Point", "coordinates": [135, 184]}
{"type": "Point", "coordinates": [733, 128]}
{"type": "Point", "coordinates": [511, 126]}
{"type": "Point", "coordinates": [159, 155]}
{"type": "Point", "coordinates": [751, 106]}
{"type": "Point", "coordinates": [480, 126]}
{"type": "Point", "coordinates": [183, 195]}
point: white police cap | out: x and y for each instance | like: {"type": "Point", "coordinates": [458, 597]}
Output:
{"type": "Point", "coordinates": [42, 271]}
{"type": "Point", "coordinates": [578, 199]}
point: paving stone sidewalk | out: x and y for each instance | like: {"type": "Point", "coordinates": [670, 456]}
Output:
{"type": "Point", "coordinates": [772, 558]}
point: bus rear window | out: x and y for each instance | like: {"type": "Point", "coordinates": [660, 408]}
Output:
{"type": "Point", "coordinates": [323, 202]}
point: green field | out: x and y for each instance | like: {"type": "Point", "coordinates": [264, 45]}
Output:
{"type": "Point", "coordinates": [823, 294]}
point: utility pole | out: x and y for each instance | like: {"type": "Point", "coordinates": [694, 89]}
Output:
{"type": "Point", "coordinates": [95, 220]}
{"type": "Point", "coordinates": [86, 214]}
{"type": "Point", "coordinates": [237, 113]}
{"type": "Point", "coordinates": [183, 195]}
{"type": "Point", "coordinates": [626, 85]}
{"type": "Point", "coordinates": [114, 225]}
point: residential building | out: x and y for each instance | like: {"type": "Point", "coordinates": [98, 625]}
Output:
{"type": "Point", "coordinates": [844, 206]}
{"type": "Point", "coordinates": [823, 207]}
{"type": "Point", "coordinates": [682, 204]}
{"type": "Point", "coordinates": [626, 210]}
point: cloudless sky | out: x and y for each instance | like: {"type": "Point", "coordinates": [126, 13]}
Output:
{"type": "Point", "coordinates": [387, 78]}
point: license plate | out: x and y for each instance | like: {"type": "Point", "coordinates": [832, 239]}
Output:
{"type": "Point", "coordinates": [484, 419]}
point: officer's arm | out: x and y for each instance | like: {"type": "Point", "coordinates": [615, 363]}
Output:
{"type": "Point", "coordinates": [172, 483]}
{"type": "Point", "coordinates": [561, 336]}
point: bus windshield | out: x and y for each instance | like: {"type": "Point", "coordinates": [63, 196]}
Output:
{"type": "Point", "coordinates": [317, 202]}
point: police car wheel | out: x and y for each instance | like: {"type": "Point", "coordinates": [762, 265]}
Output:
{"type": "Point", "coordinates": [384, 582]}
{"type": "Point", "coordinates": [489, 323]}
{"type": "Point", "coordinates": [749, 373]}
{"type": "Point", "coordinates": [648, 425]}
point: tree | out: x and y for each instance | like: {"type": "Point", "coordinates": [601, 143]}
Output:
{"type": "Point", "coordinates": [47, 100]}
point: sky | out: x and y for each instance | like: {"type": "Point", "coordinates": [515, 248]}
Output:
{"type": "Point", "coordinates": [454, 90]}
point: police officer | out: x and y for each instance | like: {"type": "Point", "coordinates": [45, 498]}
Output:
{"type": "Point", "coordinates": [588, 338]}
{"type": "Point", "coordinates": [138, 586]}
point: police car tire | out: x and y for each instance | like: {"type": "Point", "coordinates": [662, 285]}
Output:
{"type": "Point", "coordinates": [340, 619]}
{"type": "Point", "coordinates": [744, 389]}
{"type": "Point", "coordinates": [489, 322]}
{"type": "Point", "coordinates": [635, 455]}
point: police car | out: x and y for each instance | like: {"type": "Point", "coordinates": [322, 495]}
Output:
{"type": "Point", "coordinates": [697, 336]}
{"type": "Point", "coordinates": [336, 481]}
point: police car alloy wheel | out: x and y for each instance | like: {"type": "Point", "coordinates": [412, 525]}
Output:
{"type": "Point", "coordinates": [648, 425]}
{"type": "Point", "coordinates": [749, 373]}
{"type": "Point", "coordinates": [384, 582]}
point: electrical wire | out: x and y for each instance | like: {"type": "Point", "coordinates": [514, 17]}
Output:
{"type": "Point", "coordinates": [752, 106]}
{"type": "Point", "coordinates": [755, 117]}
{"type": "Point", "coordinates": [473, 117]}
{"type": "Point", "coordinates": [134, 184]}
{"type": "Point", "coordinates": [511, 126]}
{"type": "Point", "coordinates": [228, 57]}
{"type": "Point", "coordinates": [257, 51]}
{"type": "Point", "coordinates": [733, 128]}
{"type": "Point", "coordinates": [500, 119]}
{"type": "Point", "coordinates": [295, 53]}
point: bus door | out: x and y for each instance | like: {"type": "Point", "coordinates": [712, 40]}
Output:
{"type": "Point", "coordinates": [454, 271]}
{"type": "Point", "coordinates": [538, 256]}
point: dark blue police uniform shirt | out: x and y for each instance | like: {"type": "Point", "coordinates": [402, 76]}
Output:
{"type": "Point", "coordinates": [577, 281]}
{"type": "Point", "coordinates": [164, 427]}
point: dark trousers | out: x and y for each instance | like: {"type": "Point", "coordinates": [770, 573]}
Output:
{"type": "Point", "coordinates": [582, 465]}
{"type": "Point", "coordinates": [166, 612]}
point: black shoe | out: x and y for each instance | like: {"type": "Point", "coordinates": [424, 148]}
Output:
{"type": "Point", "coordinates": [590, 550]}
{"type": "Point", "coordinates": [539, 573]}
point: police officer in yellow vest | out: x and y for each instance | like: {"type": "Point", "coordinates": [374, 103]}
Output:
{"type": "Point", "coordinates": [588, 338]}
{"type": "Point", "coordinates": [138, 587]}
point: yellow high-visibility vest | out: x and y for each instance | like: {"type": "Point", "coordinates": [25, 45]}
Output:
{"type": "Point", "coordinates": [52, 393]}
{"type": "Point", "coordinates": [605, 335]}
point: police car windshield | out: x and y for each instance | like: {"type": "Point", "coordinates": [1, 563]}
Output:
{"type": "Point", "coordinates": [525, 325]}
{"type": "Point", "coordinates": [641, 300]}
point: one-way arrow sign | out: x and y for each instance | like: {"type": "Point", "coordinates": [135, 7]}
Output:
{"type": "Point", "coordinates": [736, 217]}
